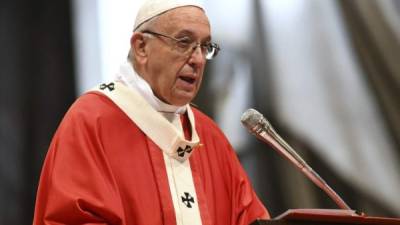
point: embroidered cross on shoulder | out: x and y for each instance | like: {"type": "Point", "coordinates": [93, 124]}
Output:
{"type": "Point", "coordinates": [181, 152]}
{"type": "Point", "coordinates": [110, 86]}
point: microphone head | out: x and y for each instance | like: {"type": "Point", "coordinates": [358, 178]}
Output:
{"type": "Point", "coordinates": [251, 119]}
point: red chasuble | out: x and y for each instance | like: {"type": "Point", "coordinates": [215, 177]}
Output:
{"type": "Point", "coordinates": [102, 169]}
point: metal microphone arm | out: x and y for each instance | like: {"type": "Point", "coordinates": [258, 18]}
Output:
{"type": "Point", "coordinates": [263, 130]}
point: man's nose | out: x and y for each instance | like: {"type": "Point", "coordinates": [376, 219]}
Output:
{"type": "Point", "coordinates": [197, 56]}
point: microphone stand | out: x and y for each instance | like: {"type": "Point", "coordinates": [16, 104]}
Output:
{"type": "Point", "coordinates": [269, 136]}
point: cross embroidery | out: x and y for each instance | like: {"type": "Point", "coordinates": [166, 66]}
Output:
{"type": "Point", "coordinates": [187, 200]}
{"type": "Point", "coordinates": [109, 86]}
{"type": "Point", "coordinates": [181, 152]}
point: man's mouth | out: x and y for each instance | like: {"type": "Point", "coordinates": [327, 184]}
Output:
{"type": "Point", "coordinates": [188, 79]}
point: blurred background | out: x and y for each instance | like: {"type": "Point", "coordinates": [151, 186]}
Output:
{"type": "Point", "coordinates": [326, 74]}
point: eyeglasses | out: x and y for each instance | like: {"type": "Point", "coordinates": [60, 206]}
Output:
{"type": "Point", "coordinates": [187, 46]}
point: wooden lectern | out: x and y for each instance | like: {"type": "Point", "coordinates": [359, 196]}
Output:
{"type": "Point", "coordinates": [326, 217]}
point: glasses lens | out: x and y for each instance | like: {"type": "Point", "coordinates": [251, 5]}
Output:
{"type": "Point", "coordinates": [210, 54]}
{"type": "Point", "coordinates": [212, 51]}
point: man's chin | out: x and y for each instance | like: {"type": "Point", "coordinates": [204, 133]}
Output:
{"type": "Point", "coordinates": [183, 98]}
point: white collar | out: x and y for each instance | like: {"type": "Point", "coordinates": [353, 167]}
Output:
{"type": "Point", "coordinates": [132, 79]}
{"type": "Point", "coordinates": [152, 123]}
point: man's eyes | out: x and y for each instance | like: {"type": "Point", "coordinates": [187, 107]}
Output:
{"type": "Point", "coordinates": [185, 41]}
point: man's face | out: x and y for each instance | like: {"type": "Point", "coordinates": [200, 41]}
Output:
{"type": "Point", "coordinates": [176, 77]}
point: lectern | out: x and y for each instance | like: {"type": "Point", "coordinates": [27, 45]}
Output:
{"type": "Point", "coordinates": [326, 217]}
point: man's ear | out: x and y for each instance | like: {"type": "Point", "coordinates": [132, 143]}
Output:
{"type": "Point", "coordinates": [138, 46]}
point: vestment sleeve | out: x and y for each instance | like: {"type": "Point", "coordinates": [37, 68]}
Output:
{"type": "Point", "coordinates": [247, 205]}
{"type": "Point", "coordinates": [77, 185]}
{"type": "Point", "coordinates": [222, 166]}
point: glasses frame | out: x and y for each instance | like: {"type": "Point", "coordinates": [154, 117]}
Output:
{"type": "Point", "coordinates": [207, 55]}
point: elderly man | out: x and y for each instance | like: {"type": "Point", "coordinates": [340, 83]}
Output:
{"type": "Point", "coordinates": [133, 151]}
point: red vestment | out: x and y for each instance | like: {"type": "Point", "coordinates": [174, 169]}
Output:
{"type": "Point", "coordinates": [102, 169]}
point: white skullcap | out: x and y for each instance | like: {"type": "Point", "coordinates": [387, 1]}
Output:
{"type": "Point", "coordinates": [152, 8]}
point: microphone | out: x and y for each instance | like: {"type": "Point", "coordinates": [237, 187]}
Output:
{"type": "Point", "coordinates": [256, 124]}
